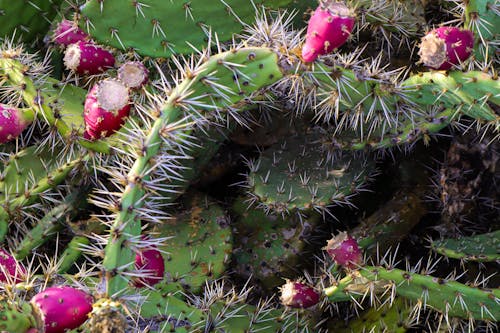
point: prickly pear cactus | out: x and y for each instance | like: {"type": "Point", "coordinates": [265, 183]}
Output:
{"type": "Point", "coordinates": [200, 243]}
{"type": "Point", "coordinates": [115, 194]}
{"type": "Point", "coordinates": [159, 29]}
{"type": "Point", "coordinates": [484, 247]}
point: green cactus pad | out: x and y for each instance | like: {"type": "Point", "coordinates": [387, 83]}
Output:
{"type": "Point", "coordinates": [28, 174]}
{"type": "Point", "coordinates": [482, 248]}
{"type": "Point", "coordinates": [163, 311]}
{"type": "Point", "coordinates": [252, 68]}
{"type": "Point", "coordinates": [243, 318]}
{"type": "Point", "coordinates": [71, 253]}
{"type": "Point", "coordinates": [17, 317]}
{"type": "Point", "coordinates": [390, 223]}
{"type": "Point", "coordinates": [28, 18]}
{"type": "Point", "coordinates": [160, 28]}
{"type": "Point", "coordinates": [270, 248]}
{"type": "Point", "coordinates": [201, 244]}
{"type": "Point", "coordinates": [482, 17]}
{"type": "Point", "coordinates": [389, 318]}
{"type": "Point", "coordinates": [299, 175]}
{"type": "Point", "coordinates": [455, 89]}
{"type": "Point", "coordinates": [450, 298]}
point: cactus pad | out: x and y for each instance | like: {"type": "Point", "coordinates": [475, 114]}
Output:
{"type": "Point", "coordinates": [201, 244]}
{"type": "Point", "coordinates": [159, 28]}
{"type": "Point", "coordinates": [482, 248]}
{"type": "Point", "coordinates": [299, 175]}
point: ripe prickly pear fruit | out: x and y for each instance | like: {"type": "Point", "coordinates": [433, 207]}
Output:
{"type": "Point", "coordinates": [10, 269]}
{"type": "Point", "coordinates": [87, 58]}
{"type": "Point", "coordinates": [152, 263]}
{"type": "Point", "coordinates": [328, 29]}
{"type": "Point", "coordinates": [67, 33]}
{"type": "Point", "coordinates": [296, 294]}
{"type": "Point", "coordinates": [444, 47]}
{"type": "Point", "coordinates": [344, 250]}
{"type": "Point", "coordinates": [13, 121]}
{"type": "Point", "coordinates": [106, 108]}
{"type": "Point", "coordinates": [61, 308]}
{"type": "Point", "coordinates": [133, 74]}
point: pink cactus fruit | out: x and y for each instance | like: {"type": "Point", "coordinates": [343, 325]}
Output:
{"type": "Point", "coordinates": [344, 250]}
{"type": "Point", "coordinates": [329, 28]}
{"type": "Point", "coordinates": [296, 294]}
{"type": "Point", "coordinates": [13, 121]}
{"type": "Point", "coordinates": [87, 58]}
{"type": "Point", "coordinates": [106, 108]}
{"type": "Point", "coordinates": [11, 271]}
{"type": "Point", "coordinates": [152, 263]}
{"type": "Point", "coordinates": [133, 74]}
{"type": "Point", "coordinates": [444, 47]}
{"type": "Point", "coordinates": [61, 308]}
{"type": "Point", "coordinates": [67, 33]}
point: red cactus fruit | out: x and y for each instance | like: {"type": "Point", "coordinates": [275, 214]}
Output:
{"type": "Point", "coordinates": [296, 294]}
{"type": "Point", "coordinates": [87, 58]}
{"type": "Point", "coordinates": [444, 47]}
{"type": "Point", "coordinates": [61, 308]}
{"type": "Point", "coordinates": [344, 250]}
{"type": "Point", "coordinates": [10, 269]}
{"type": "Point", "coordinates": [328, 29]}
{"type": "Point", "coordinates": [106, 108]}
{"type": "Point", "coordinates": [67, 33]}
{"type": "Point", "coordinates": [152, 263]}
{"type": "Point", "coordinates": [133, 74]}
{"type": "Point", "coordinates": [13, 122]}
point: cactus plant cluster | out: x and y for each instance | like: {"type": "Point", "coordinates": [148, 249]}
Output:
{"type": "Point", "coordinates": [249, 166]}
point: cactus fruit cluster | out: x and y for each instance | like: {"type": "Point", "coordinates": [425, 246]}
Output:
{"type": "Point", "coordinates": [249, 166]}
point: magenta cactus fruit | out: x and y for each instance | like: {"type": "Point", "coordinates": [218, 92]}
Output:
{"type": "Point", "coordinates": [296, 294]}
{"type": "Point", "coordinates": [67, 33]}
{"type": "Point", "coordinates": [152, 263]}
{"type": "Point", "coordinates": [329, 28]}
{"type": "Point", "coordinates": [106, 108]}
{"type": "Point", "coordinates": [13, 121]}
{"type": "Point", "coordinates": [61, 308]}
{"type": "Point", "coordinates": [444, 47]}
{"type": "Point", "coordinates": [11, 270]}
{"type": "Point", "coordinates": [87, 58]}
{"type": "Point", "coordinates": [344, 250]}
{"type": "Point", "coordinates": [133, 74]}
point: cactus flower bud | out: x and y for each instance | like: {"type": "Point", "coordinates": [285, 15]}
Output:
{"type": "Point", "coordinates": [151, 261]}
{"type": "Point", "coordinates": [67, 33]}
{"type": "Point", "coordinates": [296, 294]}
{"type": "Point", "coordinates": [87, 58]}
{"type": "Point", "coordinates": [328, 29]}
{"type": "Point", "coordinates": [344, 250]}
{"type": "Point", "coordinates": [444, 47]}
{"type": "Point", "coordinates": [61, 308]}
{"type": "Point", "coordinates": [10, 269]}
{"type": "Point", "coordinates": [106, 108]}
{"type": "Point", "coordinates": [13, 121]}
{"type": "Point", "coordinates": [133, 74]}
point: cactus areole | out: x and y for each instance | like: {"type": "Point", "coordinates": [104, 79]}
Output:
{"type": "Point", "coordinates": [444, 47]}
{"type": "Point", "coordinates": [61, 308]}
{"type": "Point", "coordinates": [328, 29]}
{"type": "Point", "coordinates": [298, 295]}
{"type": "Point", "coordinates": [106, 108]}
{"type": "Point", "coordinates": [344, 250]}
